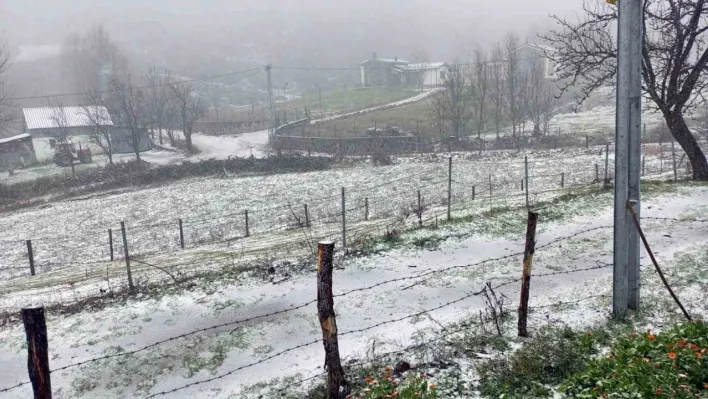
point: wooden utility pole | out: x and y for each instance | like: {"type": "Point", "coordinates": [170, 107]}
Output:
{"type": "Point", "coordinates": [131, 287]}
{"type": "Point", "coordinates": [337, 386]}
{"type": "Point", "coordinates": [37, 351]}
{"type": "Point", "coordinates": [526, 273]}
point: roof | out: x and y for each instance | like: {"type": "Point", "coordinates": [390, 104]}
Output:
{"type": "Point", "coordinates": [386, 61]}
{"type": "Point", "coordinates": [424, 65]}
{"type": "Point", "coordinates": [533, 46]}
{"type": "Point", "coordinates": [13, 138]}
{"type": "Point", "coordinates": [54, 117]}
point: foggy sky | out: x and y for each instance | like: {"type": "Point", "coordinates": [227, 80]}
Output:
{"type": "Point", "coordinates": [442, 28]}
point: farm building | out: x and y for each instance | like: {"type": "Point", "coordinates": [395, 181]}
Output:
{"type": "Point", "coordinates": [395, 72]}
{"type": "Point", "coordinates": [80, 125]}
{"type": "Point", "coordinates": [423, 74]}
{"type": "Point", "coordinates": [529, 53]}
{"type": "Point", "coordinates": [16, 151]}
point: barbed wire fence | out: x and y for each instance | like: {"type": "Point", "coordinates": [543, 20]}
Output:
{"type": "Point", "coordinates": [399, 283]}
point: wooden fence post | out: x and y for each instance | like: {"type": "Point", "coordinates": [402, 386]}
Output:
{"type": "Point", "coordinates": [110, 242]}
{"type": "Point", "coordinates": [307, 217]}
{"type": "Point", "coordinates": [37, 351]}
{"type": "Point", "coordinates": [337, 386]}
{"type": "Point", "coordinates": [673, 158]}
{"type": "Point", "coordinates": [526, 274]}
{"type": "Point", "coordinates": [562, 179]}
{"type": "Point", "coordinates": [597, 173]}
{"type": "Point", "coordinates": [644, 159]}
{"type": "Point", "coordinates": [420, 211]}
{"type": "Point", "coordinates": [181, 234]}
{"type": "Point", "coordinates": [449, 189]}
{"type": "Point", "coordinates": [607, 165]}
{"type": "Point", "coordinates": [473, 192]}
{"type": "Point", "coordinates": [131, 287]}
{"type": "Point", "coordinates": [490, 192]}
{"type": "Point", "coordinates": [522, 184]}
{"type": "Point", "coordinates": [344, 222]}
{"type": "Point", "coordinates": [245, 215]}
{"type": "Point", "coordinates": [587, 142]}
{"type": "Point", "coordinates": [366, 209]}
{"type": "Point", "coordinates": [30, 255]}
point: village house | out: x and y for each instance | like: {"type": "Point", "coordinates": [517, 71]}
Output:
{"type": "Point", "coordinates": [393, 72]}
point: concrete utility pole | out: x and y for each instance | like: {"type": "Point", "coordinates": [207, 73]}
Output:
{"type": "Point", "coordinates": [272, 107]}
{"type": "Point", "coordinates": [627, 154]}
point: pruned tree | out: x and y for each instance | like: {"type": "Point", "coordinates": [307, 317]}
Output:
{"type": "Point", "coordinates": [189, 108]}
{"type": "Point", "coordinates": [497, 87]}
{"type": "Point", "coordinates": [514, 84]}
{"type": "Point", "coordinates": [674, 60]}
{"type": "Point", "coordinates": [480, 89]}
{"type": "Point", "coordinates": [5, 62]}
{"type": "Point", "coordinates": [131, 109]}
{"type": "Point", "coordinates": [451, 106]}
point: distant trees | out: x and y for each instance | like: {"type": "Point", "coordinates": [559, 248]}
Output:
{"type": "Point", "coordinates": [130, 108]}
{"type": "Point", "coordinates": [480, 84]}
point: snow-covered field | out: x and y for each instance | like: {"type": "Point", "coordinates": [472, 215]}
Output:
{"type": "Point", "coordinates": [437, 299]}
{"type": "Point", "coordinates": [70, 238]}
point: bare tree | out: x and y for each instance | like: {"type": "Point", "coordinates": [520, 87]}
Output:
{"type": "Point", "coordinates": [419, 59]}
{"type": "Point", "coordinates": [451, 106]}
{"type": "Point", "coordinates": [101, 125]}
{"type": "Point", "coordinates": [131, 105]}
{"type": "Point", "coordinates": [5, 62]}
{"type": "Point", "coordinates": [189, 107]}
{"type": "Point", "coordinates": [480, 89]}
{"type": "Point", "coordinates": [539, 95]}
{"type": "Point", "coordinates": [63, 146]}
{"type": "Point", "coordinates": [497, 86]}
{"type": "Point", "coordinates": [674, 60]}
{"type": "Point", "coordinates": [159, 100]}
{"type": "Point", "coordinates": [514, 86]}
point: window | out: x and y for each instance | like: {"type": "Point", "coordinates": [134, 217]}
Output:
{"type": "Point", "coordinates": [52, 143]}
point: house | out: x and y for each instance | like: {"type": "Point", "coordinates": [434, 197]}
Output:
{"type": "Point", "coordinates": [381, 71]}
{"type": "Point", "coordinates": [396, 72]}
{"type": "Point", "coordinates": [529, 52]}
{"type": "Point", "coordinates": [423, 74]}
{"type": "Point", "coordinates": [81, 125]}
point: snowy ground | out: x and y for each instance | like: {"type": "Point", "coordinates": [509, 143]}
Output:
{"type": "Point", "coordinates": [142, 321]}
{"type": "Point", "coordinates": [70, 239]}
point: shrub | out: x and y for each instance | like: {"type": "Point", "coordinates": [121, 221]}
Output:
{"type": "Point", "coordinates": [549, 357]}
{"type": "Point", "coordinates": [415, 386]}
{"type": "Point", "coordinates": [670, 364]}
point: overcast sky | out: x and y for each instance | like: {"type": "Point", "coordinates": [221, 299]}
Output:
{"type": "Point", "coordinates": [385, 23]}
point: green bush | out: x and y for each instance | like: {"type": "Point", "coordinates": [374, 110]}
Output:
{"type": "Point", "coordinates": [386, 386]}
{"type": "Point", "coordinates": [545, 360]}
{"type": "Point", "coordinates": [667, 365]}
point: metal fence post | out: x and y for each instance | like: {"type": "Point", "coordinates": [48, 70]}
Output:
{"type": "Point", "coordinates": [420, 211]}
{"type": "Point", "coordinates": [307, 217]}
{"type": "Point", "coordinates": [473, 192]}
{"type": "Point", "coordinates": [131, 287]}
{"type": "Point", "coordinates": [526, 176]}
{"type": "Point", "coordinates": [562, 179]}
{"type": "Point", "coordinates": [366, 209]}
{"type": "Point", "coordinates": [607, 164]}
{"type": "Point", "coordinates": [673, 159]}
{"type": "Point", "coordinates": [245, 215]}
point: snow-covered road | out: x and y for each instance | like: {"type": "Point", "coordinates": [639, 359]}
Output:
{"type": "Point", "coordinates": [174, 364]}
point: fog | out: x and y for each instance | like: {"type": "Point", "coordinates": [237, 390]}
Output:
{"type": "Point", "coordinates": [212, 37]}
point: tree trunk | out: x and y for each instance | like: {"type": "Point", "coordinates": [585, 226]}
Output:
{"type": "Point", "coordinates": [688, 143]}
{"type": "Point", "coordinates": [188, 140]}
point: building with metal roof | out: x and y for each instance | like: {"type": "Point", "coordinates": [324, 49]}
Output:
{"type": "Point", "coordinates": [65, 117]}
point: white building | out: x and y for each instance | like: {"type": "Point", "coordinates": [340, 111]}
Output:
{"type": "Point", "coordinates": [423, 74]}
{"type": "Point", "coordinates": [77, 124]}
{"type": "Point", "coordinates": [396, 72]}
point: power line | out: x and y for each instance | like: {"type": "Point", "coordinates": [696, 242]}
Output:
{"type": "Point", "coordinates": [139, 87]}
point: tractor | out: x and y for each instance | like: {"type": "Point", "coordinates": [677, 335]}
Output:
{"type": "Point", "coordinates": [65, 154]}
